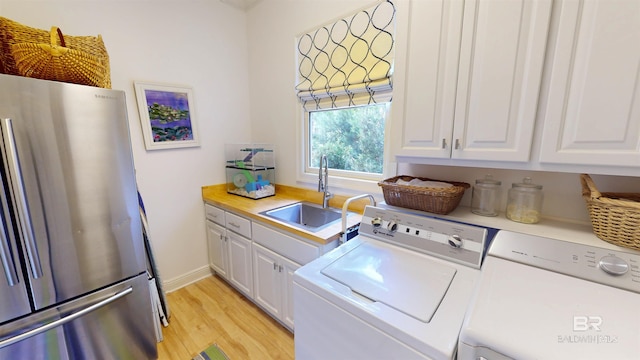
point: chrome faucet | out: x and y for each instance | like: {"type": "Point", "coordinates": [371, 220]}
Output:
{"type": "Point", "coordinates": [323, 181]}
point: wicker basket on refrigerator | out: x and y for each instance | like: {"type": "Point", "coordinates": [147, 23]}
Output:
{"type": "Point", "coordinates": [85, 57]}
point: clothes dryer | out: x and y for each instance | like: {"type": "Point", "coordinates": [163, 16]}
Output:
{"type": "Point", "coordinates": [540, 298]}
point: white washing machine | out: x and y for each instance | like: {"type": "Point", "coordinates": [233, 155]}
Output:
{"type": "Point", "coordinates": [539, 298]}
{"type": "Point", "coordinates": [399, 290]}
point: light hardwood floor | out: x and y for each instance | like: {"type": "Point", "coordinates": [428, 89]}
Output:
{"type": "Point", "coordinates": [211, 311]}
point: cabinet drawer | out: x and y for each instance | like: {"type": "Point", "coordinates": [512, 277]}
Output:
{"type": "Point", "coordinates": [214, 214]}
{"type": "Point", "coordinates": [238, 225]}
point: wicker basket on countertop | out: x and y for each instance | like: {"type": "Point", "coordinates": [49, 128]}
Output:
{"type": "Point", "coordinates": [615, 216]}
{"type": "Point", "coordinates": [430, 199]}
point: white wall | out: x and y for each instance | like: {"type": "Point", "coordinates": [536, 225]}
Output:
{"type": "Point", "coordinates": [275, 113]}
{"type": "Point", "coordinates": [197, 43]}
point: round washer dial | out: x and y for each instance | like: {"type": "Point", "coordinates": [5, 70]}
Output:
{"type": "Point", "coordinates": [613, 265]}
{"type": "Point", "coordinates": [392, 226]}
{"type": "Point", "coordinates": [455, 241]}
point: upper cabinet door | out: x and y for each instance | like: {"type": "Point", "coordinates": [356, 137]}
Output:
{"type": "Point", "coordinates": [593, 111]}
{"type": "Point", "coordinates": [431, 74]}
{"type": "Point", "coordinates": [473, 74]}
{"type": "Point", "coordinates": [501, 60]}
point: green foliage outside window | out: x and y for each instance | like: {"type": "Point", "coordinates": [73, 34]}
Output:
{"type": "Point", "coordinates": [352, 138]}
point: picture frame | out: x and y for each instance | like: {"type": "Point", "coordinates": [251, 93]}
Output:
{"type": "Point", "coordinates": [166, 115]}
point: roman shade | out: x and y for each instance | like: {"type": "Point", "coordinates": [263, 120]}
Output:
{"type": "Point", "coordinates": [348, 62]}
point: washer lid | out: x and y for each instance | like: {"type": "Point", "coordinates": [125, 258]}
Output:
{"type": "Point", "coordinates": [407, 281]}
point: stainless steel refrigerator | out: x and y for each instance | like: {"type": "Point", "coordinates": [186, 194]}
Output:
{"type": "Point", "coordinates": [73, 281]}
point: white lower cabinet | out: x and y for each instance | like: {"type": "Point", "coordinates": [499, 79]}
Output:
{"type": "Point", "coordinates": [273, 278]}
{"type": "Point", "coordinates": [276, 256]}
{"type": "Point", "coordinates": [240, 274]}
{"type": "Point", "coordinates": [257, 260]}
{"type": "Point", "coordinates": [217, 246]}
{"type": "Point", "coordinates": [229, 246]}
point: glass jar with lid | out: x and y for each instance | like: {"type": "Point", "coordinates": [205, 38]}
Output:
{"type": "Point", "coordinates": [525, 202]}
{"type": "Point", "coordinates": [485, 196]}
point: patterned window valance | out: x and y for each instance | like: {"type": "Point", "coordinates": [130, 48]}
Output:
{"type": "Point", "coordinates": [349, 62]}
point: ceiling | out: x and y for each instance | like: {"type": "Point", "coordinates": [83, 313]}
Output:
{"type": "Point", "coordinates": [241, 4]}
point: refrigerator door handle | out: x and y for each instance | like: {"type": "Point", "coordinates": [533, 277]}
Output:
{"type": "Point", "coordinates": [6, 258]}
{"type": "Point", "coordinates": [21, 198]}
{"type": "Point", "coordinates": [64, 320]}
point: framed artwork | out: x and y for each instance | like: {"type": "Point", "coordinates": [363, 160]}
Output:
{"type": "Point", "coordinates": [166, 114]}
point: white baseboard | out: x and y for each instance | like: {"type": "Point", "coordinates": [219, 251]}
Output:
{"type": "Point", "coordinates": [186, 279]}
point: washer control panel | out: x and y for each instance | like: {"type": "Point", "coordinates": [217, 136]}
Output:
{"type": "Point", "coordinates": [461, 243]}
{"type": "Point", "coordinates": [605, 266]}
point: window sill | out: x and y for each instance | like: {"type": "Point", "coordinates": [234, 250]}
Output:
{"type": "Point", "coordinates": [343, 185]}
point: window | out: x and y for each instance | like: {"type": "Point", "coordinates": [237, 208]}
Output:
{"type": "Point", "coordinates": [351, 137]}
{"type": "Point", "coordinates": [344, 82]}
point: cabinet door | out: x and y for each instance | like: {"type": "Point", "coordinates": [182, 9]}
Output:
{"type": "Point", "coordinates": [287, 268]}
{"type": "Point", "coordinates": [501, 59]}
{"type": "Point", "coordinates": [432, 69]}
{"type": "Point", "coordinates": [217, 246]}
{"type": "Point", "coordinates": [593, 112]}
{"type": "Point", "coordinates": [240, 263]}
{"type": "Point", "coordinates": [267, 279]}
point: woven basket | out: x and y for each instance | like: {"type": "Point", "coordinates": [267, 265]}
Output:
{"type": "Point", "coordinates": [615, 216]}
{"type": "Point", "coordinates": [59, 63]}
{"type": "Point", "coordinates": [434, 200]}
{"type": "Point", "coordinates": [91, 47]}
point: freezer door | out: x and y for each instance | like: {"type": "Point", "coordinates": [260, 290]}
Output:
{"type": "Point", "coordinates": [114, 323]}
{"type": "Point", "coordinates": [67, 154]}
{"type": "Point", "coordinates": [13, 292]}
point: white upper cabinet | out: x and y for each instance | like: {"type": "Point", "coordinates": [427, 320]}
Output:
{"type": "Point", "coordinates": [473, 78]}
{"type": "Point", "coordinates": [431, 74]}
{"type": "Point", "coordinates": [593, 110]}
{"type": "Point", "coordinates": [501, 61]}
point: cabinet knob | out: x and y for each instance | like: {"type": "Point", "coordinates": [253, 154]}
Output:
{"type": "Point", "coordinates": [457, 144]}
{"type": "Point", "coordinates": [444, 143]}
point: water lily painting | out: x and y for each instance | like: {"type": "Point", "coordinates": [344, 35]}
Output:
{"type": "Point", "coordinates": [166, 114]}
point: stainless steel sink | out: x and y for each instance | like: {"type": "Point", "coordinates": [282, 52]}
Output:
{"type": "Point", "coordinates": [307, 216]}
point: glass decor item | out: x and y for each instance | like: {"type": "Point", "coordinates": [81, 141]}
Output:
{"type": "Point", "coordinates": [485, 196]}
{"type": "Point", "coordinates": [250, 170]}
{"type": "Point", "coordinates": [525, 202]}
